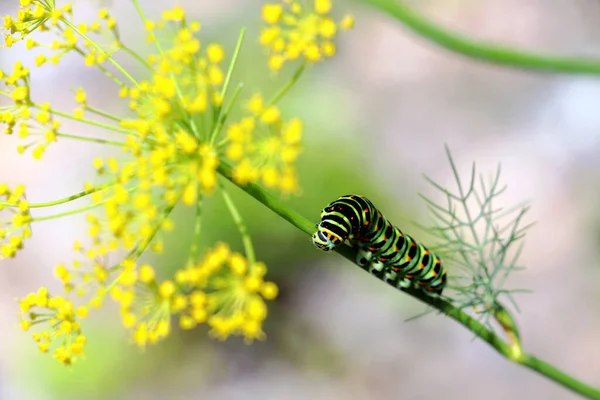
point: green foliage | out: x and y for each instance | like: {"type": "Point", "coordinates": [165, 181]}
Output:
{"type": "Point", "coordinates": [480, 240]}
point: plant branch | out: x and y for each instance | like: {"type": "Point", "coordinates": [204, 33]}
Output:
{"type": "Point", "coordinates": [481, 50]}
{"type": "Point", "coordinates": [443, 306]}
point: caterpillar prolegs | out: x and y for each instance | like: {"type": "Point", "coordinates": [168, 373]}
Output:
{"type": "Point", "coordinates": [383, 250]}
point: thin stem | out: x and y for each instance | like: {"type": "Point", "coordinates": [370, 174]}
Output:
{"type": "Point", "coordinates": [239, 222]}
{"type": "Point", "coordinates": [233, 63]}
{"type": "Point", "coordinates": [560, 377]}
{"type": "Point", "coordinates": [463, 201]}
{"type": "Point", "coordinates": [64, 199]}
{"type": "Point", "coordinates": [224, 116]}
{"type": "Point", "coordinates": [91, 122]}
{"type": "Point", "coordinates": [197, 229]}
{"type": "Point", "coordinates": [105, 71]}
{"type": "Point", "coordinates": [100, 49]}
{"type": "Point", "coordinates": [137, 251]}
{"type": "Point", "coordinates": [89, 139]}
{"type": "Point", "coordinates": [66, 213]}
{"type": "Point", "coordinates": [102, 113]}
{"type": "Point", "coordinates": [481, 50]}
{"type": "Point", "coordinates": [142, 15]}
{"type": "Point", "coordinates": [221, 117]}
{"type": "Point", "coordinates": [288, 85]}
{"type": "Point", "coordinates": [159, 49]}
{"type": "Point", "coordinates": [444, 306]}
{"type": "Point", "coordinates": [135, 55]}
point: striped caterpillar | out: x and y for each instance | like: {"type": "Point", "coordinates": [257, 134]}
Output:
{"type": "Point", "coordinates": [383, 250]}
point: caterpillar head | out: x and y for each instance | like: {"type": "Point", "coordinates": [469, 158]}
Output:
{"type": "Point", "coordinates": [324, 239]}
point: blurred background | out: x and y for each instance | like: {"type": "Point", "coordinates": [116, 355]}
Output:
{"type": "Point", "coordinates": [376, 117]}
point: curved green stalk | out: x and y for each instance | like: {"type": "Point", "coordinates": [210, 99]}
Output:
{"type": "Point", "coordinates": [101, 50]}
{"type": "Point", "coordinates": [481, 50]}
{"type": "Point", "coordinates": [223, 115]}
{"type": "Point", "coordinates": [288, 85]}
{"type": "Point", "coordinates": [239, 222]}
{"type": "Point", "coordinates": [90, 139]}
{"type": "Point", "coordinates": [193, 257]}
{"type": "Point", "coordinates": [159, 48]}
{"type": "Point", "coordinates": [139, 248]}
{"type": "Point", "coordinates": [445, 307]}
{"type": "Point", "coordinates": [101, 113]}
{"type": "Point", "coordinates": [105, 71]}
{"type": "Point", "coordinates": [135, 55]}
{"type": "Point", "coordinates": [108, 127]}
{"type": "Point", "coordinates": [66, 213]}
{"type": "Point", "coordinates": [220, 116]}
{"type": "Point", "coordinates": [64, 199]}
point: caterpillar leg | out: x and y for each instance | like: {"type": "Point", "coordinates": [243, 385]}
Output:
{"type": "Point", "coordinates": [375, 267]}
{"type": "Point", "coordinates": [390, 277]}
{"type": "Point", "coordinates": [363, 257]}
{"type": "Point", "coordinates": [436, 294]}
{"type": "Point", "coordinates": [404, 283]}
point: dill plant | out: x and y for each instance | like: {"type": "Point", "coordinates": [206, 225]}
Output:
{"type": "Point", "coordinates": [178, 142]}
{"type": "Point", "coordinates": [482, 243]}
{"type": "Point", "coordinates": [177, 137]}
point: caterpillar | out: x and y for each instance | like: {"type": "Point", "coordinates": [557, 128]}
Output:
{"type": "Point", "coordinates": [383, 250]}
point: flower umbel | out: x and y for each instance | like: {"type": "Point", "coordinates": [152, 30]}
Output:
{"type": "Point", "coordinates": [264, 147]}
{"type": "Point", "coordinates": [171, 133]}
{"type": "Point", "coordinates": [61, 317]}
{"type": "Point", "coordinates": [300, 30]}
{"type": "Point", "coordinates": [15, 220]}
{"type": "Point", "coordinates": [226, 291]}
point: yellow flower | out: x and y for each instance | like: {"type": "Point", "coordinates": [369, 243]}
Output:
{"type": "Point", "coordinates": [15, 220]}
{"type": "Point", "coordinates": [264, 147]}
{"type": "Point", "coordinates": [224, 292]}
{"type": "Point", "coordinates": [295, 32]}
{"type": "Point", "coordinates": [63, 331]}
{"type": "Point", "coordinates": [176, 135]}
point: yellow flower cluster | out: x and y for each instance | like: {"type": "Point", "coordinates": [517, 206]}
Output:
{"type": "Point", "coordinates": [33, 15]}
{"type": "Point", "coordinates": [264, 147]}
{"type": "Point", "coordinates": [295, 31]}
{"type": "Point", "coordinates": [14, 227]}
{"type": "Point", "coordinates": [228, 292]}
{"type": "Point", "coordinates": [62, 318]}
{"type": "Point", "coordinates": [34, 123]}
{"type": "Point", "coordinates": [172, 158]}
{"type": "Point", "coordinates": [224, 290]}
{"type": "Point", "coordinates": [88, 272]}
{"type": "Point", "coordinates": [144, 303]}
{"type": "Point", "coordinates": [175, 140]}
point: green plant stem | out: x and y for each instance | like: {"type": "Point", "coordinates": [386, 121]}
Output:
{"type": "Point", "coordinates": [233, 63]}
{"type": "Point", "coordinates": [443, 306]}
{"type": "Point", "coordinates": [220, 117]}
{"type": "Point", "coordinates": [66, 213]}
{"type": "Point", "coordinates": [481, 50]}
{"type": "Point", "coordinates": [159, 48]}
{"type": "Point", "coordinates": [101, 113]}
{"type": "Point", "coordinates": [90, 139]}
{"type": "Point", "coordinates": [239, 223]}
{"type": "Point", "coordinates": [135, 55]}
{"type": "Point", "coordinates": [91, 122]}
{"type": "Point", "coordinates": [288, 85]}
{"type": "Point", "coordinates": [197, 229]}
{"type": "Point", "coordinates": [101, 50]}
{"type": "Point", "coordinates": [139, 249]}
{"type": "Point", "coordinates": [223, 115]}
{"type": "Point", "coordinates": [64, 199]}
